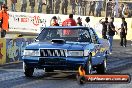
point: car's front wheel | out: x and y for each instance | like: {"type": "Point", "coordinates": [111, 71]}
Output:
{"type": "Point", "coordinates": [88, 66]}
{"type": "Point", "coordinates": [102, 68]}
{"type": "Point", "coordinates": [28, 71]}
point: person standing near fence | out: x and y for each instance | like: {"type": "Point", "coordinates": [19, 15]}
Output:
{"type": "Point", "coordinates": [4, 25]}
{"type": "Point", "coordinates": [64, 6]}
{"type": "Point", "coordinates": [126, 11]}
{"type": "Point", "coordinates": [109, 9]}
{"type": "Point", "coordinates": [32, 4]}
{"type": "Point", "coordinates": [92, 7]}
{"type": "Point", "coordinates": [79, 3]}
{"type": "Point", "coordinates": [110, 33]}
{"type": "Point", "coordinates": [87, 20]}
{"type": "Point", "coordinates": [73, 4]}
{"type": "Point", "coordinates": [79, 21]}
{"type": "Point", "coordinates": [69, 22]}
{"type": "Point", "coordinates": [24, 5]}
{"type": "Point", "coordinates": [48, 9]}
{"type": "Point", "coordinates": [55, 22]}
{"type": "Point", "coordinates": [120, 10]}
{"type": "Point", "coordinates": [104, 27]}
{"type": "Point", "coordinates": [13, 5]}
{"type": "Point", "coordinates": [57, 6]}
{"type": "Point", "coordinates": [98, 8]}
{"type": "Point", "coordinates": [40, 5]}
{"type": "Point", "coordinates": [123, 32]}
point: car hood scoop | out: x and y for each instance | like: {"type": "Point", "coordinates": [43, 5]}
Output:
{"type": "Point", "coordinates": [58, 41]}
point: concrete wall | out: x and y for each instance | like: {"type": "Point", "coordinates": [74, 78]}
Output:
{"type": "Point", "coordinates": [11, 50]}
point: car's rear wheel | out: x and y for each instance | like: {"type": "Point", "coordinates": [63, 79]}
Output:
{"type": "Point", "coordinates": [102, 68]}
{"type": "Point", "coordinates": [88, 66]}
{"type": "Point", "coordinates": [28, 71]}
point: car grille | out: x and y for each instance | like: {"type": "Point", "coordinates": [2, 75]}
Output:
{"type": "Point", "coordinates": [52, 61]}
{"type": "Point", "coordinates": [52, 53]}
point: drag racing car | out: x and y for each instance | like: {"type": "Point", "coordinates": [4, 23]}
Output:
{"type": "Point", "coordinates": [66, 48]}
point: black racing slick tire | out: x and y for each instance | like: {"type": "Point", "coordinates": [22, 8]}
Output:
{"type": "Point", "coordinates": [102, 68]}
{"type": "Point", "coordinates": [88, 66]}
{"type": "Point", "coordinates": [28, 71]}
{"type": "Point", "coordinates": [81, 80]}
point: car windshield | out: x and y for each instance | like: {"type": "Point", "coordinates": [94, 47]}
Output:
{"type": "Point", "coordinates": [67, 34]}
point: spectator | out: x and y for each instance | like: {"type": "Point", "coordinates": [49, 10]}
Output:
{"type": "Point", "coordinates": [111, 32]}
{"type": "Point", "coordinates": [40, 5]}
{"type": "Point", "coordinates": [73, 3]}
{"type": "Point", "coordinates": [24, 5]}
{"type": "Point", "coordinates": [109, 9]}
{"type": "Point", "coordinates": [79, 2]}
{"type": "Point", "coordinates": [116, 13]}
{"type": "Point", "coordinates": [104, 5]}
{"type": "Point", "coordinates": [120, 10]}
{"type": "Point", "coordinates": [32, 4]}
{"type": "Point", "coordinates": [84, 8]}
{"type": "Point", "coordinates": [4, 20]}
{"type": "Point", "coordinates": [50, 3]}
{"type": "Point", "coordinates": [92, 8]}
{"type": "Point", "coordinates": [2, 2]}
{"type": "Point", "coordinates": [130, 8]}
{"type": "Point", "coordinates": [64, 6]}
{"type": "Point", "coordinates": [126, 11]}
{"type": "Point", "coordinates": [79, 21]}
{"type": "Point", "coordinates": [57, 6]}
{"type": "Point", "coordinates": [55, 23]}
{"type": "Point", "coordinates": [13, 5]}
{"type": "Point", "coordinates": [70, 21]}
{"type": "Point", "coordinates": [48, 9]}
{"type": "Point", "coordinates": [104, 27]}
{"type": "Point", "coordinates": [113, 14]}
{"type": "Point", "coordinates": [98, 8]}
{"type": "Point", "coordinates": [87, 22]}
{"type": "Point", "coordinates": [123, 32]}
{"type": "Point", "coordinates": [115, 10]}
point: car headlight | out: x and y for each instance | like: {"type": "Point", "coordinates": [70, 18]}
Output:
{"type": "Point", "coordinates": [78, 53]}
{"type": "Point", "coordinates": [86, 52]}
{"type": "Point", "coordinates": [75, 53]}
{"type": "Point", "coordinates": [31, 53]}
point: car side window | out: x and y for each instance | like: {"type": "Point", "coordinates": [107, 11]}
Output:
{"type": "Point", "coordinates": [93, 36]}
{"type": "Point", "coordinates": [84, 36]}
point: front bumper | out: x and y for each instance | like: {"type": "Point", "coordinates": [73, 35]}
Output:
{"type": "Point", "coordinates": [57, 63]}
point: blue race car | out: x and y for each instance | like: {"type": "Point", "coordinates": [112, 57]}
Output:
{"type": "Point", "coordinates": [66, 48]}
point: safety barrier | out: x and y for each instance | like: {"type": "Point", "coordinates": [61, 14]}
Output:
{"type": "Point", "coordinates": [11, 50]}
{"type": "Point", "coordinates": [31, 22]}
